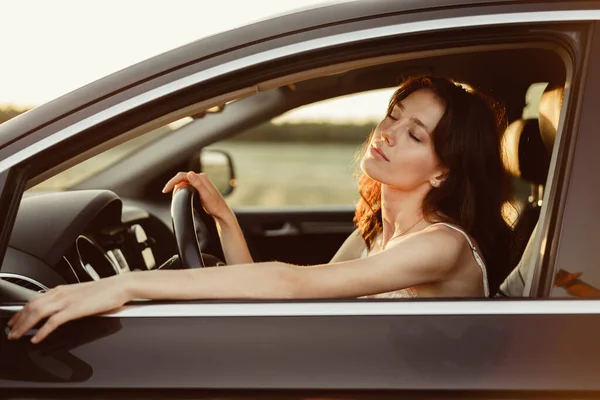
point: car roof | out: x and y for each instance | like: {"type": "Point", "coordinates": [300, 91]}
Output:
{"type": "Point", "coordinates": [262, 31]}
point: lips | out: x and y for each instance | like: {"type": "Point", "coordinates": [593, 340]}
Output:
{"type": "Point", "coordinates": [378, 153]}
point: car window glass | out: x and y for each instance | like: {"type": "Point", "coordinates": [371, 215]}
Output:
{"type": "Point", "coordinates": [305, 157]}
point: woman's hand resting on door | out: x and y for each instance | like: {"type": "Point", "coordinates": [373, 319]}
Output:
{"type": "Point", "coordinates": [69, 302]}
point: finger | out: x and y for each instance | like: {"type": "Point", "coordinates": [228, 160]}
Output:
{"type": "Point", "coordinates": [13, 319]}
{"type": "Point", "coordinates": [179, 186]}
{"type": "Point", "coordinates": [50, 326]}
{"type": "Point", "coordinates": [208, 184]}
{"type": "Point", "coordinates": [194, 178]}
{"type": "Point", "coordinates": [20, 315]}
{"type": "Point", "coordinates": [179, 177]}
{"type": "Point", "coordinates": [32, 314]}
{"type": "Point", "coordinates": [198, 181]}
{"type": "Point", "coordinates": [210, 197]}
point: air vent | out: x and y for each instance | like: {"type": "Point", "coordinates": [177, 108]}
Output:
{"type": "Point", "coordinates": [23, 281]}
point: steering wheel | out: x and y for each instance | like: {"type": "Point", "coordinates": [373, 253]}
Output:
{"type": "Point", "coordinates": [194, 230]}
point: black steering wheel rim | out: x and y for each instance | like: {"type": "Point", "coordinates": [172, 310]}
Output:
{"type": "Point", "coordinates": [184, 227]}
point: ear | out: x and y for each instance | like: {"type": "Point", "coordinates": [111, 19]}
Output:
{"type": "Point", "coordinates": [439, 177]}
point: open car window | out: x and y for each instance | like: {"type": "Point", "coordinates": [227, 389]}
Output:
{"type": "Point", "coordinates": [290, 160]}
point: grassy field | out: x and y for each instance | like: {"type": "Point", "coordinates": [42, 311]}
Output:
{"type": "Point", "coordinates": [274, 174]}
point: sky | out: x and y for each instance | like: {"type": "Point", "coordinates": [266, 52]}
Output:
{"type": "Point", "coordinates": [50, 48]}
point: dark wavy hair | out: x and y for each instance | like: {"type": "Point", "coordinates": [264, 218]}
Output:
{"type": "Point", "coordinates": [467, 141]}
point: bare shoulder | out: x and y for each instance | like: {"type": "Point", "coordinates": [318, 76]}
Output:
{"type": "Point", "coordinates": [449, 235]}
{"type": "Point", "coordinates": [440, 237]}
{"type": "Point", "coordinates": [438, 247]}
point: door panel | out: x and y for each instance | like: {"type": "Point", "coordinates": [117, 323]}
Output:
{"type": "Point", "coordinates": [295, 235]}
{"type": "Point", "coordinates": [431, 351]}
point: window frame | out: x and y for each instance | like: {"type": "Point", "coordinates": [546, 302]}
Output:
{"type": "Point", "coordinates": [20, 160]}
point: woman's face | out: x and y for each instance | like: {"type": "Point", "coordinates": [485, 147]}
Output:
{"type": "Point", "coordinates": [401, 153]}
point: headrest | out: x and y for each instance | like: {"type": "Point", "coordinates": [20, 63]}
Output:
{"type": "Point", "coordinates": [525, 155]}
{"type": "Point", "coordinates": [550, 105]}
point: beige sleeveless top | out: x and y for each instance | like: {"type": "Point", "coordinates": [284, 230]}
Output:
{"type": "Point", "coordinates": [411, 293]}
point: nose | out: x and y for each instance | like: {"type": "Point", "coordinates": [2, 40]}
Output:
{"type": "Point", "coordinates": [387, 136]}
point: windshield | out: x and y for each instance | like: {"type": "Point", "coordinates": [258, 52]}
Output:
{"type": "Point", "coordinates": [88, 168]}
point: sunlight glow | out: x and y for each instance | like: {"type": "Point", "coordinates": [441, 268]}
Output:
{"type": "Point", "coordinates": [358, 108]}
{"type": "Point", "coordinates": [50, 48]}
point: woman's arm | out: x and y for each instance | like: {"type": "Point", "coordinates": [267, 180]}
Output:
{"type": "Point", "coordinates": [423, 257]}
{"type": "Point", "coordinates": [351, 249]}
{"type": "Point", "coordinates": [232, 239]}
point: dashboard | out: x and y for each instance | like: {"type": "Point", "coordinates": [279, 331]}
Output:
{"type": "Point", "coordinates": [79, 236]}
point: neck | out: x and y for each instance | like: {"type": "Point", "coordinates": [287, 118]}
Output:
{"type": "Point", "coordinates": [401, 211]}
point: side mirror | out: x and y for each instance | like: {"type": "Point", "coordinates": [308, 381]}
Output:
{"type": "Point", "coordinates": [218, 165]}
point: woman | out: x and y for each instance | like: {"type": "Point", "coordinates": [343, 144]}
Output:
{"type": "Point", "coordinates": [432, 189]}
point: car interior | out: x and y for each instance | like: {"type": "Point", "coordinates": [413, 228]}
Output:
{"type": "Point", "coordinates": [117, 220]}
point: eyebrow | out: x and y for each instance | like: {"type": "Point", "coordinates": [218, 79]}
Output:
{"type": "Point", "coordinates": [415, 120]}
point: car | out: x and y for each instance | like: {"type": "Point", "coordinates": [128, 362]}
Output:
{"type": "Point", "coordinates": [80, 197]}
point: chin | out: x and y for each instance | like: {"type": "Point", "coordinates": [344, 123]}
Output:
{"type": "Point", "coordinates": [370, 168]}
{"type": "Point", "coordinates": [366, 167]}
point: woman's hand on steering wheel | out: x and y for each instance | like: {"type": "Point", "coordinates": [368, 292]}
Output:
{"type": "Point", "coordinates": [211, 199]}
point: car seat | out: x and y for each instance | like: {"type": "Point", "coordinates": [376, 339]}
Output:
{"type": "Point", "coordinates": [515, 285]}
{"type": "Point", "coordinates": [526, 158]}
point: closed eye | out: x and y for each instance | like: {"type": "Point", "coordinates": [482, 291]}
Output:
{"type": "Point", "coordinates": [412, 135]}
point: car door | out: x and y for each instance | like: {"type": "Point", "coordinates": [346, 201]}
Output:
{"type": "Point", "coordinates": [351, 348]}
